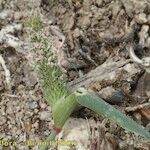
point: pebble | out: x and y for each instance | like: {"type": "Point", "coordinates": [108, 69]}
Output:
{"type": "Point", "coordinates": [76, 32]}
{"type": "Point", "coordinates": [36, 111]}
{"type": "Point", "coordinates": [6, 14]}
{"type": "Point", "coordinates": [43, 105]}
{"type": "Point", "coordinates": [3, 120]}
{"type": "Point", "coordinates": [18, 132]}
{"type": "Point", "coordinates": [44, 115]}
{"type": "Point", "coordinates": [18, 15]}
{"type": "Point", "coordinates": [32, 104]}
{"type": "Point", "coordinates": [36, 125]}
{"type": "Point", "coordinates": [99, 2]}
{"type": "Point", "coordinates": [112, 96]}
{"type": "Point", "coordinates": [31, 79]}
{"type": "Point", "coordinates": [9, 110]}
{"type": "Point", "coordinates": [141, 18]}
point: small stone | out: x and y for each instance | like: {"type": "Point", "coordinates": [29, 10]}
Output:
{"type": "Point", "coordinates": [112, 96]}
{"type": "Point", "coordinates": [99, 2]}
{"type": "Point", "coordinates": [9, 110]}
{"type": "Point", "coordinates": [6, 14]}
{"type": "Point", "coordinates": [21, 87]}
{"type": "Point", "coordinates": [18, 132]}
{"type": "Point", "coordinates": [9, 125]}
{"type": "Point", "coordinates": [29, 113]}
{"type": "Point", "coordinates": [76, 33]}
{"type": "Point", "coordinates": [31, 79]}
{"type": "Point", "coordinates": [22, 138]}
{"type": "Point", "coordinates": [36, 125]}
{"type": "Point", "coordinates": [43, 105]}
{"type": "Point", "coordinates": [2, 120]}
{"type": "Point", "coordinates": [32, 104]}
{"type": "Point", "coordinates": [14, 131]}
{"type": "Point", "coordinates": [36, 111]}
{"type": "Point", "coordinates": [18, 15]}
{"type": "Point", "coordinates": [44, 115]}
{"type": "Point", "coordinates": [28, 126]}
{"type": "Point", "coordinates": [141, 18]}
{"type": "Point", "coordinates": [30, 76]}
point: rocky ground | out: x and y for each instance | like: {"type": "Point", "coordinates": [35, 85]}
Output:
{"type": "Point", "coordinates": [85, 36]}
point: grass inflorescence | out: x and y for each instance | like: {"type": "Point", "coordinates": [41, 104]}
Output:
{"type": "Point", "coordinates": [34, 23]}
{"type": "Point", "coordinates": [54, 86]}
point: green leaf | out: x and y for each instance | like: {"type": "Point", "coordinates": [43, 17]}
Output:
{"type": "Point", "coordinates": [98, 105]}
{"type": "Point", "coordinates": [63, 109]}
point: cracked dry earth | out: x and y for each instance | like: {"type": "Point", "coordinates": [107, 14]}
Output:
{"type": "Point", "coordinates": [89, 37]}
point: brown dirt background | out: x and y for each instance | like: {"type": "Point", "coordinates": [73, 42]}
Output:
{"type": "Point", "coordinates": [95, 32]}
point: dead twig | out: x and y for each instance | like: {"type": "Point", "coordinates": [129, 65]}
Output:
{"type": "Point", "coordinates": [7, 72]}
{"type": "Point", "coordinates": [7, 38]}
{"type": "Point", "coordinates": [145, 62]}
{"type": "Point", "coordinates": [87, 57]}
{"type": "Point", "coordinates": [10, 95]}
{"type": "Point", "coordinates": [135, 108]}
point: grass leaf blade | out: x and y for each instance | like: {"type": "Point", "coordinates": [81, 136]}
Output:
{"type": "Point", "coordinates": [98, 105]}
